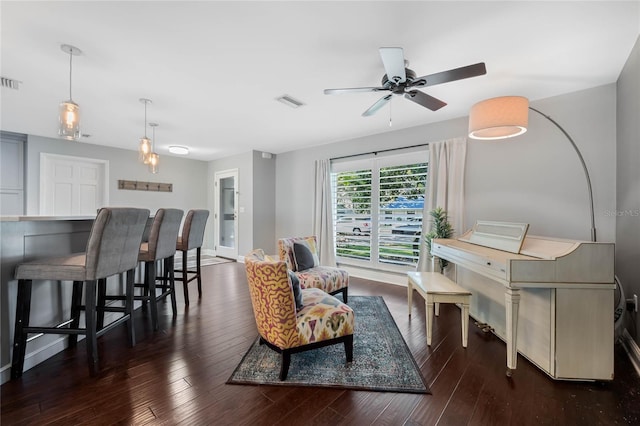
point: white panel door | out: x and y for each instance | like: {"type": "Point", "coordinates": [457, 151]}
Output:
{"type": "Point", "coordinates": [72, 186]}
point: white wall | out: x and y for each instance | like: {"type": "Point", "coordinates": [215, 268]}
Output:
{"type": "Point", "coordinates": [628, 183]}
{"type": "Point", "coordinates": [535, 178]}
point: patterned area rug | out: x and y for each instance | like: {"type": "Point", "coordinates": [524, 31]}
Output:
{"type": "Point", "coordinates": [381, 359]}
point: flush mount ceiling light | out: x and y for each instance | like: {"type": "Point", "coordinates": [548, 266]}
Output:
{"type": "Point", "coordinates": [69, 111]}
{"type": "Point", "coordinates": [289, 101]}
{"type": "Point", "coordinates": [179, 149]}
{"type": "Point", "coordinates": [154, 158]}
{"type": "Point", "coordinates": [144, 148]}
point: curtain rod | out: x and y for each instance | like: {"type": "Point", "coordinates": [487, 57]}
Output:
{"type": "Point", "coordinates": [376, 152]}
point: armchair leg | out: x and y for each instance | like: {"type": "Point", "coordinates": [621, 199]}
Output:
{"type": "Point", "coordinates": [284, 367]}
{"type": "Point", "coordinates": [348, 347]}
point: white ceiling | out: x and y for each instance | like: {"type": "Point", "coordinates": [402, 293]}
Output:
{"type": "Point", "coordinates": [213, 69]}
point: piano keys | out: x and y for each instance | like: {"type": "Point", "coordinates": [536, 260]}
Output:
{"type": "Point", "coordinates": [551, 300]}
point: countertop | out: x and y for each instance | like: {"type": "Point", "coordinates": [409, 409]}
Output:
{"type": "Point", "coordinates": [42, 218]}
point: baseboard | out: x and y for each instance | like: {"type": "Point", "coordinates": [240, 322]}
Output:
{"type": "Point", "coordinates": [631, 347]}
{"type": "Point", "coordinates": [397, 278]}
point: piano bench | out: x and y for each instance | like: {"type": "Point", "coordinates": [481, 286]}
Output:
{"type": "Point", "coordinates": [435, 288]}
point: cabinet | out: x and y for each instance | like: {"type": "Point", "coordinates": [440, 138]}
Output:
{"type": "Point", "coordinates": [12, 169]}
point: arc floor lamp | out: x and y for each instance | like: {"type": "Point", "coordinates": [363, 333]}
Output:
{"type": "Point", "coordinates": [508, 116]}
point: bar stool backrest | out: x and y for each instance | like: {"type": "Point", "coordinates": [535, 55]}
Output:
{"type": "Point", "coordinates": [164, 233]}
{"type": "Point", "coordinates": [114, 241]}
{"type": "Point", "coordinates": [193, 229]}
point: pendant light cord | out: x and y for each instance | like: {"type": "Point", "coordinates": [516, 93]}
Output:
{"type": "Point", "coordinates": [70, 71]}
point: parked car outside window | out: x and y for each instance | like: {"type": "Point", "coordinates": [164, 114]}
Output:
{"type": "Point", "coordinates": [353, 225]}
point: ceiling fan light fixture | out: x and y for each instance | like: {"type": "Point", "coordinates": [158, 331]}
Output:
{"type": "Point", "coordinates": [499, 118]}
{"type": "Point", "coordinates": [290, 101]}
{"type": "Point", "coordinates": [179, 149]}
{"type": "Point", "coordinates": [69, 111]}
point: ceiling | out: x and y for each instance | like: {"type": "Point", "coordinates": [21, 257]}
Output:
{"type": "Point", "coordinates": [213, 69]}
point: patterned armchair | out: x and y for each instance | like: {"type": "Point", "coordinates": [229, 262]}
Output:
{"type": "Point", "coordinates": [330, 279]}
{"type": "Point", "coordinates": [323, 319]}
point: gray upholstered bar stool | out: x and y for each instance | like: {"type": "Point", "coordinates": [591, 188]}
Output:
{"type": "Point", "coordinates": [160, 247]}
{"type": "Point", "coordinates": [191, 238]}
{"type": "Point", "coordinates": [112, 248]}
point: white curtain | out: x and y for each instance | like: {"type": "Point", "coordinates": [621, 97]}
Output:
{"type": "Point", "coordinates": [445, 188]}
{"type": "Point", "coordinates": [323, 215]}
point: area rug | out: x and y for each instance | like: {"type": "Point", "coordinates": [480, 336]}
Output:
{"type": "Point", "coordinates": [381, 359]}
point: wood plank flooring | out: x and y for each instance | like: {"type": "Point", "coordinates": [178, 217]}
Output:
{"type": "Point", "coordinates": [177, 376]}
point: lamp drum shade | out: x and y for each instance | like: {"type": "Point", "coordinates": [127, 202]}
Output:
{"type": "Point", "coordinates": [499, 118]}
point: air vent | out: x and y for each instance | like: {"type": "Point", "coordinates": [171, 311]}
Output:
{"type": "Point", "coordinates": [289, 101]}
{"type": "Point", "coordinates": [10, 83]}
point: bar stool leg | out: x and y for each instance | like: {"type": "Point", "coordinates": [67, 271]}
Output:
{"type": "Point", "coordinates": [185, 280]}
{"type": "Point", "coordinates": [90, 320]}
{"type": "Point", "coordinates": [128, 306]}
{"type": "Point", "coordinates": [150, 288]}
{"type": "Point", "coordinates": [198, 271]}
{"type": "Point", "coordinates": [102, 294]}
{"type": "Point", "coordinates": [76, 307]}
{"type": "Point", "coordinates": [171, 277]}
{"type": "Point", "coordinates": [23, 310]}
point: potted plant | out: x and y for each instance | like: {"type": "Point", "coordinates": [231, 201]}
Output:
{"type": "Point", "coordinates": [440, 228]}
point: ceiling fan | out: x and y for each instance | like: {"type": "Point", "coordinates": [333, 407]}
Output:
{"type": "Point", "coordinates": [400, 80]}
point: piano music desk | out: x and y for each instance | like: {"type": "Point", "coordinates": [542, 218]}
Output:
{"type": "Point", "coordinates": [435, 288]}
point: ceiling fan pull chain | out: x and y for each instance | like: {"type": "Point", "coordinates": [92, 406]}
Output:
{"type": "Point", "coordinates": [390, 102]}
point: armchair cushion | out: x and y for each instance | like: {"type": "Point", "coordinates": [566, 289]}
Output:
{"type": "Point", "coordinates": [303, 257]}
{"type": "Point", "coordinates": [323, 317]}
{"type": "Point", "coordinates": [297, 293]}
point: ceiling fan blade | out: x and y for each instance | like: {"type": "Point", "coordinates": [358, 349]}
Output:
{"type": "Point", "coordinates": [393, 60]}
{"type": "Point", "coordinates": [451, 75]}
{"type": "Point", "coordinates": [379, 104]}
{"type": "Point", "coordinates": [353, 90]}
{"type": "Point", "coordinates": [425, 100]}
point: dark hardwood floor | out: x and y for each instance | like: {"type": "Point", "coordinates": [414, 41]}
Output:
{"type": "Point", "coordinates": [177, 376]}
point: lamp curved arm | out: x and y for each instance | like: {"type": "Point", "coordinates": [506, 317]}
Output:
{"type": "Point", "coordinates": [584, 167]}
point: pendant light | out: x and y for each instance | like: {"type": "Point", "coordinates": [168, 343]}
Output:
{"type": "Point", "coordinates": [154, 158]}
{"type": "Point", "coordinates": [69, 111]}
{"type": "Point", "coordinates": [144, 148]}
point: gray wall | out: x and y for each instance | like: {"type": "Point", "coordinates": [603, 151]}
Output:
{"type": "Point", "coordinates": [628, 182]}
{"type": "Point", "coordinates": [256, 199]}
{"type": "Point", "coordinates": [189, 177]}
{"type": "Point", "coordinates": [244, 164]}
{"type": "Point", "coordinates": [535, 178]}
{"type": "Point", "coordinates": [264, 203]}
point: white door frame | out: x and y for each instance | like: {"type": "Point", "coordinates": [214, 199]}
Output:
{"type": "Point", "coordinates": [230, 252]}
{"type": "Point", "coordinates": [47, 160]}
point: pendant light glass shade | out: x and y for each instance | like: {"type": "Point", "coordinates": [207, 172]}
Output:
{"type": "Point", "coordinates": [69, 111]}
{"type": "Point", "coordinates": [153, 157]}
{"type": "Point", "coordinates": [144, 147]}
{"type": "Point", "coordinates": [69, 126]}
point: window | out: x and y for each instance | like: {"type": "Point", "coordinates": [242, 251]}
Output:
{"type": "Point", "coordinates": [378, 204]}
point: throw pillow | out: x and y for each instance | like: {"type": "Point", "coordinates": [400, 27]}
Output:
{"type": "Point", "coordinates": [302, 256]}
{"type": "Point", "coordinates": [297, 292]}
